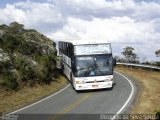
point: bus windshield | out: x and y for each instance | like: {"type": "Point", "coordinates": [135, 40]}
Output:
{"type": "Point", "coordinates": [95, 65]}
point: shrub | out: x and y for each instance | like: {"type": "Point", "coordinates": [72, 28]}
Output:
{"type": "Point", "coordinates": [9, 81]}
{"type": "Point", "coordinates": [31, 57]}
{"type": "Point", "coordinates": [157, 63]}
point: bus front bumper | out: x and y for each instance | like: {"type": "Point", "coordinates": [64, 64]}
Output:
{"type": "Point", "coordinates": [91, 86]}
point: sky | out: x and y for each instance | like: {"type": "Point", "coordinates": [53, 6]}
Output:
{"type": "Point", "coordinates": [134, 23]}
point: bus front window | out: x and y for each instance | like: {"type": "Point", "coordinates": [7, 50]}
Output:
{"type": "Point", "coordinates": [99, 65]}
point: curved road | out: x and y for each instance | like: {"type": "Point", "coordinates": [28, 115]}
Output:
{"type": "Point", "coordinates": [89, 105]}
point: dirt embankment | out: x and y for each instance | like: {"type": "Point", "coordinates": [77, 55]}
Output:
{"type": "Point", "coordinates": [12, 100]}
{"type": "Point", "coordinates": [148, 101]}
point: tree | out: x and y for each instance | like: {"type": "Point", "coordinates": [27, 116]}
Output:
{"type": "Point", "coordinates": [117, 58]}
{"type": "Point", "coordinates": [157, 53]}
{"type": "Point", "coordinates": [129, 55]}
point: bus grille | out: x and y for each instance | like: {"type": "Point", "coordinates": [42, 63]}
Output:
{"type": "Point", "coordinates": [94, 81]}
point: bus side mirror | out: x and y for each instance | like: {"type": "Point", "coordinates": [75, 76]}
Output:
{"type": "Point", "coordinates": [114, 62]}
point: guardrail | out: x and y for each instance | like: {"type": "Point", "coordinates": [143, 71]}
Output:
{"type": "Point", "coordinates": [139, 65]}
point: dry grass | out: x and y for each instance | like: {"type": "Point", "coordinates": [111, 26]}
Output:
{"type": "Point", "coordinates": [149, 94]}
{"type": "Point", "coordinates": [11, 100]}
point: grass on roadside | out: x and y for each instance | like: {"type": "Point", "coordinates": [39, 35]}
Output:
{"type": "Point", "coordinates": [11, 100]}
{"type": "Point", "coordinates": [148, 101]}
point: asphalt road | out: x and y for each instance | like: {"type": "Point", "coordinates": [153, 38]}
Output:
{"type": "Point", "coordinates": [89, 105]}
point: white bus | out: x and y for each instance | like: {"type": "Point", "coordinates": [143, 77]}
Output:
{"type": "Point", "coordinates": [87, 66]}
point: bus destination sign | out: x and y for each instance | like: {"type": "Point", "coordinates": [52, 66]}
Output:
{"type": "Point", "coordinates": [92, 49]}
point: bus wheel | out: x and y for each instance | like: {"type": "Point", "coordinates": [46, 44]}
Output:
{"type": "Point", "coordinates": [71, 81]}
{"type": "Point", "coordinates": [78, 91]}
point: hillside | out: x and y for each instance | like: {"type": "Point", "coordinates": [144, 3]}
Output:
{"type": "Point", "coordinates": [26, 57]}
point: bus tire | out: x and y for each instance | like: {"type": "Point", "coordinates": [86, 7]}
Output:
{"type": "Point", "coordinates": [78, 91]}
{"type": "Point", "coordinates": [71, 81]}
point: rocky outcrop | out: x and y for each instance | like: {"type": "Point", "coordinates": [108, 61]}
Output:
{"type": "Point", "coordinates": [26, 57]}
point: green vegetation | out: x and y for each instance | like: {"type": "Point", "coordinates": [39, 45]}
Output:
{"type": "Point", "coordinates": [26, 57]}
{"type": "Point", "coordinates": [157, 53]}
{"type": "Point", "coordinates": [131, 57]}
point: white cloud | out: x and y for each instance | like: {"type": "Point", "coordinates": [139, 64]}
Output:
{"type": "Point", "coordinates": [116, 29]}
{"type": "Point", "coordinates": [31, 14]}
{"type": "Point", "coordinates": [147, 11]}
{"type": "Point", "coordinates": [10, 13]}
{"type": "Point", "coordinates": [123, 22]}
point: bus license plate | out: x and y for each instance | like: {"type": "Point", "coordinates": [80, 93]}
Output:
{"type": "Point", "coordinates": [94, 86]}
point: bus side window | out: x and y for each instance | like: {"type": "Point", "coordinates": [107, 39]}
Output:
{"type": "Point", "coordinates": [73, 65]}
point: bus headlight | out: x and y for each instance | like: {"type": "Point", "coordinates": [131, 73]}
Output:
{"type": "Point", "coordinates": [77, 82]}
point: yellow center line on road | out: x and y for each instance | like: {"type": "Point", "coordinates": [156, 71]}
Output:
{"type": "Point", "coordinates": [71, 106]}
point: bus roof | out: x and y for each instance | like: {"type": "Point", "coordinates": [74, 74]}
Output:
{"type": "Point", "coordinates": [81, 42]}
